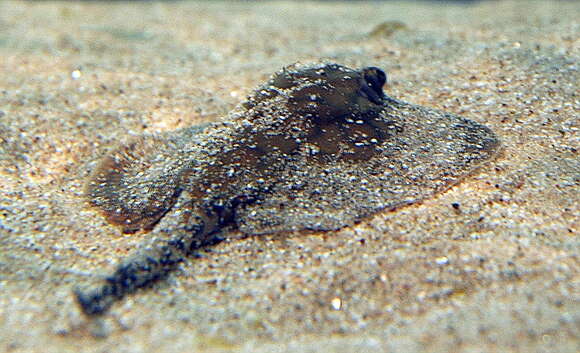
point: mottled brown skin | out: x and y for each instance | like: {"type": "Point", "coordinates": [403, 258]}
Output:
{"type": "Point", "coordinates": [317, 147]}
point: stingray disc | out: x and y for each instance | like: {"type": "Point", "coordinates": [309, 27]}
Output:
{"type": "Point", "coordinates": [317, 147]}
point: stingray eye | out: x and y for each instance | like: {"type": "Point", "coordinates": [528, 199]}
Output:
{"type": "Point", "coordinates": [375, 76]}
{"type": "Point", "coordinates": [372, 84]}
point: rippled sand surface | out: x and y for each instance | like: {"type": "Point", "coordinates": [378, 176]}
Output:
{"type": "Point", "coordinates": [491, 265]}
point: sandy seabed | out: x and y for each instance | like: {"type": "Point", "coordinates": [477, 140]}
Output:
{"type": "Point", "coordinates": [489, 266]}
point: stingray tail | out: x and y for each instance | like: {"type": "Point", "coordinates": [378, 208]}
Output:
{"type": "Point", "coordinates": [143, 270]}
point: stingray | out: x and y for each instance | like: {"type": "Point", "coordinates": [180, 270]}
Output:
{"type": "Point", "coordinates": [317, 148]}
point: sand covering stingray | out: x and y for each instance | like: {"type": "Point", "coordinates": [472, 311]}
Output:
{"type": "Point", "coordinates": [317, 147]}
